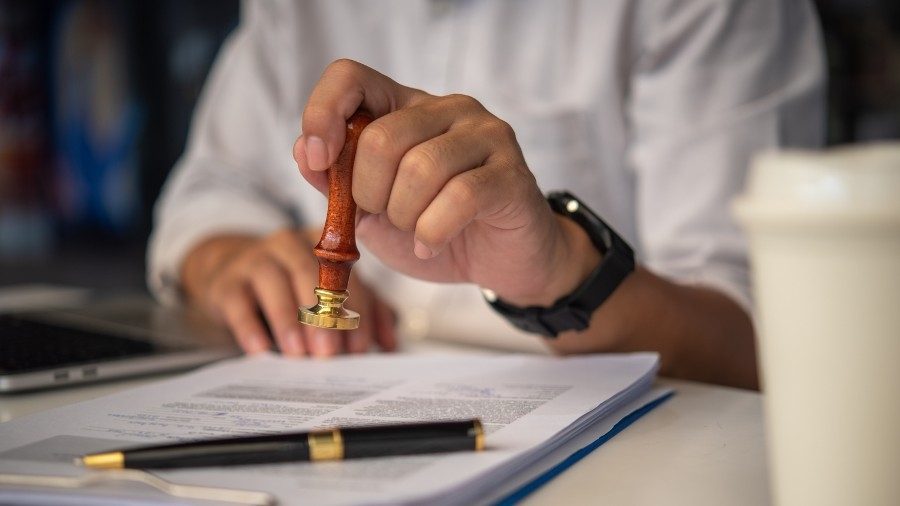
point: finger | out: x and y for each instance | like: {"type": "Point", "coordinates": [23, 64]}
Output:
{"type": "Point", "coordinates": [490, 192]}
{"type": "Point", "coordinates": [426, 169]}
{"type": "Point", "coordinates": [318, 179]}
{"type": "Point", "coordinates": [344, 87]}
{"type": "Point", "coordinates": [361, 300]}
{"type": "Point", "coordinates": [239, 310]}
{"type": "Point", "coordinates": [358, 340]}
{"type": "Point", "coordinates": [407, 141]}
{"type": "Point", "coordinates": [385, 325]}
{"type": "Point", "coordinates": [323, 343]}
{"type": "Point", "coordinates": [382, 146]}
{"type": "Point", "coordinates": [272, 287]}
{"type": "Point", "coordinates": [294, 252]}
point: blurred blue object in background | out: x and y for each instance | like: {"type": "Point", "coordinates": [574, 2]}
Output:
{"type": "Point", "coordinates": [25, 223]}
{"type": "Point", "coordinates": [95, 101]}
{"type": "Point", "coordinates": [96, 121]}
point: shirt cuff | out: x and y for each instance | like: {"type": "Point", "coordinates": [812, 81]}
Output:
{"type": "Point", "coordinates": [205, 217]}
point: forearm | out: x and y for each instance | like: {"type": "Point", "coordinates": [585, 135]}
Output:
{"type": "Point", "coordinates": [700, 333]}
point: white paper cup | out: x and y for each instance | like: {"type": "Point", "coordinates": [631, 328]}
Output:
{"type": "Point", "coordinates": [824, 235]}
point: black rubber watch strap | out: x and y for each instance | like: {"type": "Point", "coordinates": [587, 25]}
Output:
{"type": "Point", "coordinates": [573, 312]}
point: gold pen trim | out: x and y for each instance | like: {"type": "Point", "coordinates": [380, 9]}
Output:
{"type": "Point", "coordinates": [479, 435]}
{"type": "Point", "coordinates": [325, 445]}
{"type": "Point", "coordinates": [111, 460]}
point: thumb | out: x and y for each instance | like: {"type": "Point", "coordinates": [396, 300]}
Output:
{"type": "Point", "coordinates": [317, 178]}
{"type": "Point", "coordinates": [344, 87]}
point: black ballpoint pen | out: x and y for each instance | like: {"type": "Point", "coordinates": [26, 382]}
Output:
{"type": "Point", "coordinates": [318, 445]}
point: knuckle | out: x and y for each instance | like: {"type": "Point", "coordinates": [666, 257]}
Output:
{"type": "Point", "coordinates": [463, 190]}
{"type": "Point", "coordinates": [463, 102]}
{"type": "Point", "coordinates": [343, 66]}
{"type": "Point", "coordinates": [419, 165]}
{"type": "Point", "coordinates": [377, 139]}
{"type": "Point", "coordinates": [479, 118]}
{"type": "Point", "coordinates": [379, 143]}
{"type": "Point", "coordinates": [506, 130]}
{"type": "Point", "coordinates": [497, 128]}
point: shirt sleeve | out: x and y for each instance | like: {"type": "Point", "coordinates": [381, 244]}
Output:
{"type": "Point", "coordinates": [712, 84]}
{"type": "Point", "coordinates": [220, 183]}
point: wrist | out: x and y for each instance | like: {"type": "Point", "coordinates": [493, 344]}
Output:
{"type": "Point", "coordinates": [573, 311]}
{"type": "Point", "coordinates": [574, 259]}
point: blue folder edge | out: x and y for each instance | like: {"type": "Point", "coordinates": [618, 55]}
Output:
{"type": "Point", "coordinates": [542, 479]}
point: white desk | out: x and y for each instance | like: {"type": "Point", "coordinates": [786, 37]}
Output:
{"type": "Point", "coordinates": [705, 446]}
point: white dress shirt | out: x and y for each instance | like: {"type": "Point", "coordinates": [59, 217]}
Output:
{"type": "Point", "coordinates": [649, 111]}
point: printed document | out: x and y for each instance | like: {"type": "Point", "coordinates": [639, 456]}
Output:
{"type": "Point", "coordinates": [529, 405]}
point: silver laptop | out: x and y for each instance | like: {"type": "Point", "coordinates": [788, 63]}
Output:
{"type": "Point", "coordinates": [97, 340]}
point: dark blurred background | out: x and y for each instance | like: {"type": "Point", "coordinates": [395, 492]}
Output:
{"type": "Point", "coordinates": [96, 98]}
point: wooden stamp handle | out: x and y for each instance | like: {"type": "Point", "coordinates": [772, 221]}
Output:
{"type": "Point", "coordinates": [336, 250]}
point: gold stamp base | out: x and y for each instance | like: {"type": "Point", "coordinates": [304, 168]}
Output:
{"type": "Point", "coordinates": [329, 312]}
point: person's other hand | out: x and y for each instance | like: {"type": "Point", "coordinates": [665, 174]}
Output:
{"type": "Point", "coordinates": [255, 286]}
{"type": "Point", "coordinates": [443, 189]}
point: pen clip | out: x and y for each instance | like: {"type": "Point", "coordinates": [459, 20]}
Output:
{"type": "Point", "coordinates": [250, 497]}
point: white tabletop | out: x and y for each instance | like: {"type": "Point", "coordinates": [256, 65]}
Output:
{"type": "Point", "coordinates": [704, 446]}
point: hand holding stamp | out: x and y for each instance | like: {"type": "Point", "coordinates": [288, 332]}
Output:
{"type": "Point", "coordinates": [336, 251]}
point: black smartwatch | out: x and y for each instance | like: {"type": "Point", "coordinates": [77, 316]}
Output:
{"type": "Point", "coordinates": [573, 311]}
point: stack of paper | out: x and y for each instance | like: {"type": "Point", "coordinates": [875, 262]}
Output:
{"type": "Point", "coordinates": [529, 405]}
